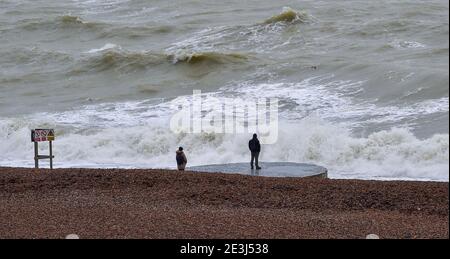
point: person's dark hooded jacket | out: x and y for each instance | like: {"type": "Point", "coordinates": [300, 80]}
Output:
{"type": "Point", "coordinates": [254, 145]}
{"type": "Point", "coordinates": [181, 160]}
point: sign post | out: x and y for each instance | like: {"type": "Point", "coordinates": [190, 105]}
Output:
{"type": "Point", "coordinates": [40, 135]}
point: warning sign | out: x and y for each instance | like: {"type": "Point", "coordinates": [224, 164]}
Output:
{"type": "Point", "coordinates": [38, 135]}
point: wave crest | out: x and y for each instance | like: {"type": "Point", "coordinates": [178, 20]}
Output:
{"type": "Point", "coordinates": [120, 60]}
{"type": "Point", "coordinates": [112, 56]}
{"type": "Point", "coordinates": [208, 57]}
{"type": "Point", "coordinates": [391, 154]}
{"type": "Point", "coordinates": [69, 19]}
{"type": "Point", "coordinates": [61, 22]}
{"type": "Point", "coordinates": [288, 15]}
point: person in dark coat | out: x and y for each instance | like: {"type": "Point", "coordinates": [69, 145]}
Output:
{"type": "Point", "coordinates": [255, 149]}
{"type": "Point", "coordinates": [181, 159]}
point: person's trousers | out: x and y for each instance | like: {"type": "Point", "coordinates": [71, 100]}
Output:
{"type": "Point", "coordinates": [255, 156]}
{"type": "Point", "coordinates": [181, 167]}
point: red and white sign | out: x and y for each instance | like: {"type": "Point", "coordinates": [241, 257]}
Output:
{"type": "Point", "coordinates": [38, 135]}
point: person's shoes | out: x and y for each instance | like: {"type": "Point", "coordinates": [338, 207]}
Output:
{"type": "Point", "coordinates": [258, 167]}
{"type": "Point", "coordinates": [251, 167]}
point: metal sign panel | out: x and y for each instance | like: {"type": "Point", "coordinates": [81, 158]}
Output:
{"type": "Point", "coordinates": [38, 135]}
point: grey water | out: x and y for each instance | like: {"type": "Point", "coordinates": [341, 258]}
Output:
{"type": "Point", "coordinates": [373, 74]}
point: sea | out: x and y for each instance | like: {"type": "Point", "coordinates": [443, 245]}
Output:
{"type": "Point", "coordinates": [362, 86]}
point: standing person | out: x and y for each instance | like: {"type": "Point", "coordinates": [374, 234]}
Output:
{"type": "Point", "coordinates": [181, 159]}
{"type": "Point", "coordinates": [255, 148]}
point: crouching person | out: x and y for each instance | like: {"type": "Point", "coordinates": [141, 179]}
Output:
{"type": "Point", "coordinates": [181, 159]}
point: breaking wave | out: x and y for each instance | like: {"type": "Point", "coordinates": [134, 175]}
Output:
{"type": "Point", "coordinates": [69, 19]}
{"type": "Point", "coordinates": [112, 56]}
{"type": "Point", "coordinates": [288, 15]}
{"type": "Point", "coordinates": [208, 57]}
{"type": "Point", "coordinates": [258, 37]}
{"type": "Point", "coordinates": [390, 154]}
{"type": "Point", "coordinates": [137, 134]}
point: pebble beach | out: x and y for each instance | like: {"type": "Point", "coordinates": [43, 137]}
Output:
{"type": "Point", "coordinates": [164, 204]}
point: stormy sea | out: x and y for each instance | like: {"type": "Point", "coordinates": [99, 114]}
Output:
{"type": "Point", "coordinates": [362, 86]}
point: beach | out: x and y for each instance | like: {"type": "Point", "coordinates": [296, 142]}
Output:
{"type": "Point", "coordinates": [356, 91]}
{"type": "Point", "coordinates": [150, 203]}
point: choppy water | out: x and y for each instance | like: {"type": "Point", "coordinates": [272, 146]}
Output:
{"type": "Point", "coordinates": [363, 85]}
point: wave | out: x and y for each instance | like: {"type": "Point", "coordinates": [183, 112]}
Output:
{"type": "Point", "coordinates": [137, 134]}
{"type": "Point", "coordinates": [112, 56]}
{"type": "Point", "coordinates": [124, 61]}
{"type": "Point", "coordinates": [107, 46]}
{"type": "Point", "coordinates": [390, 154]}
{"type": "Point", "coordinates": [208, 57]}
{"type": "Point", "coordinates": [69, 19]}
{"type": "Point", "coordinates": [76, 21]}
{"type": "Point", "coordinates": [257, 37]}
{"type": "Point", "coordinates": [288, 15]}
{"type": "Point", "coordinates": [102, 29]}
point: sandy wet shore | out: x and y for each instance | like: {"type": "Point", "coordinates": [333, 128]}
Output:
{"type": "Point", "coordinates": [118, 203]}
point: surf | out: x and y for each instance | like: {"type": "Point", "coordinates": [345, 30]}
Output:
{"type": "Point", "coordinates": [114, 57]}
{"type": "Point", "coordinates": [207, 57]}
{"type": "Point", "coordinates": [137, 135]}
{"type": "Point", "coordinates": [288, 15]}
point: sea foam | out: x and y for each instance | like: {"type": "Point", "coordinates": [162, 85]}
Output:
{"type": "Point", "coordinates": [136, 134]}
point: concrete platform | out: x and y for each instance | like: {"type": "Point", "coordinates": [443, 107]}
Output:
{"type": "Point", "coordinates": [270, 169]}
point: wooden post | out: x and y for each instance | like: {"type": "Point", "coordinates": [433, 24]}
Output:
{"type": "Point", "coordinates": [36, 155]}
{"type": "Point", "coordinates": [51, 155]}
{"type": "Point", "coordinates": [38, 135]}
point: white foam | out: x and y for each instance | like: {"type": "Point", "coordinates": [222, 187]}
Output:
{"type": "Point", "coordinates": [258, 37]}
{"type": "Point", "coordinates": [404, 44]}
{"type": "Point", "coordinates": [393, 154]}
{"type": "Point", "coordinates": [107, 46]}
{"type": "Point", "coordinates": [136, 134]}
{"type": "Point", "coordinates": [334, 100]}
